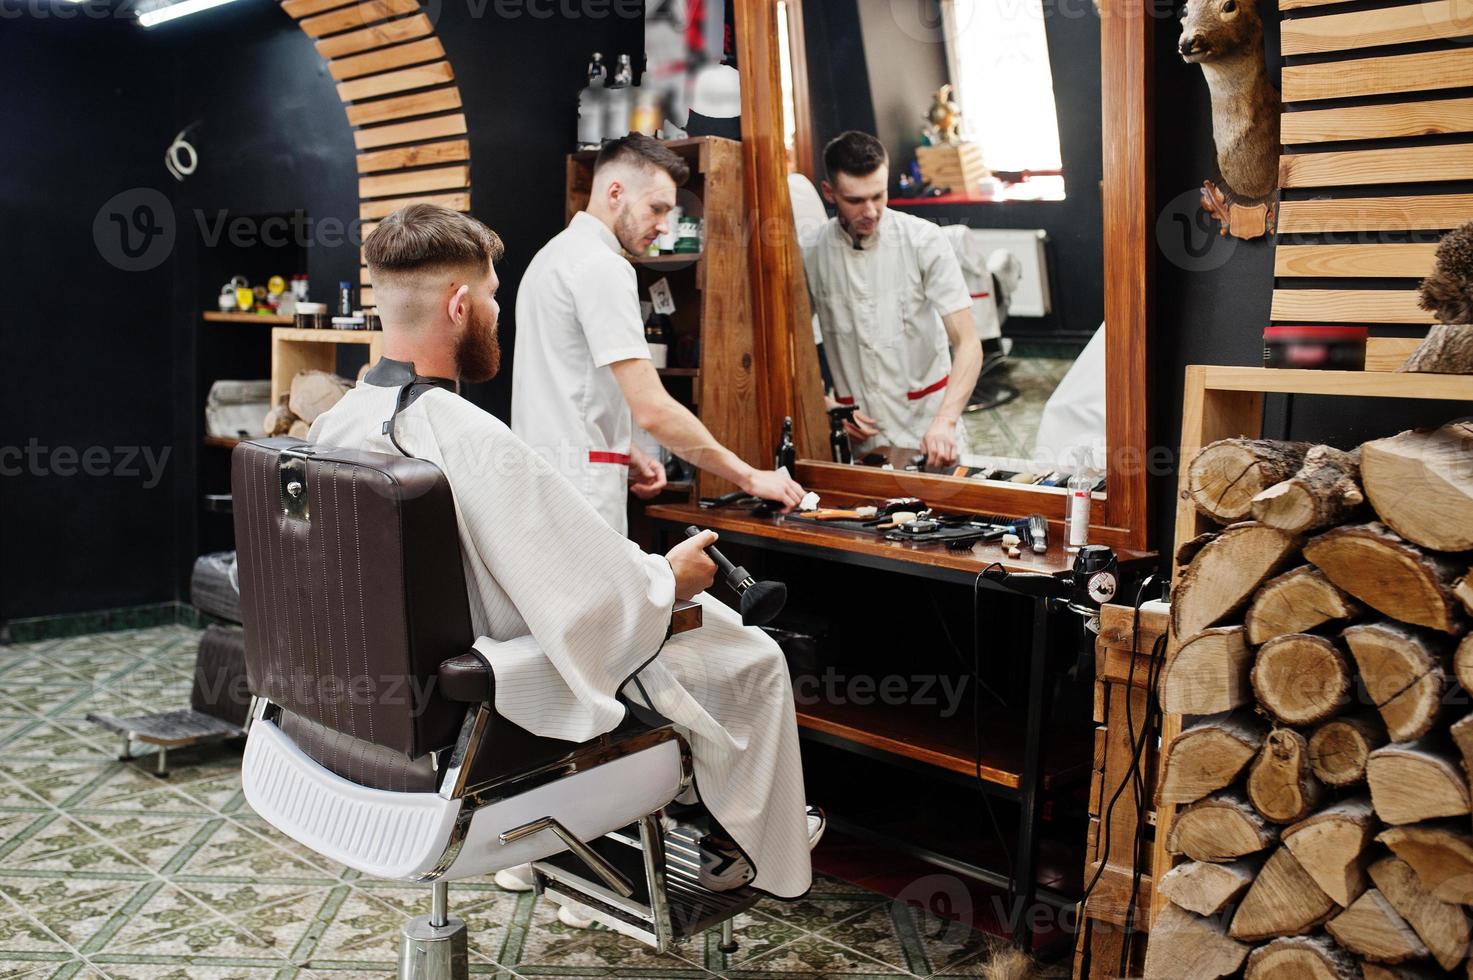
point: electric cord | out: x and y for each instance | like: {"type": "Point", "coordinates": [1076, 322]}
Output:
{"type": "Point", "coordinates": [1133, 777]}
{"type": "Point", "coordinates": [1002, 840]}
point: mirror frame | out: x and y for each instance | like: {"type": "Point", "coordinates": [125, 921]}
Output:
{"type": "Point", "coordinates": [787, 369]}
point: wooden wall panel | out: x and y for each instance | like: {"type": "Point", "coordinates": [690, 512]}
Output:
{"type": "Point", "coordinates": [378, 36]}
{"type": "Point", "coordinates": [1427, 213]}
{"type": "Point", "coordinates": [424, 154]}
{"type": "Point", "coordinates": [1361, 122]}
{"type": "Point", "coordinates": [1368, 261]}
{"type": "Point", "coordinates": [384, 207]}
{"type": "Point", "coordinates": [1424, 72]}
{"type": "Point", "coordinates": [358, 15]}
{"type": "Point", "coordinates": [410, 132]}
{"type": "Point", "coordinates": [414, 182]}
{"type": "Point", "coordinates": [1348, 306]}
{"type": "Point", "coordinates": [1400, 165]}
{"type": "Point", "coordinates": [401, 106]}
{"type": "Point", "coordinates": [1434, 21]}
{"type": "Point", "coordinates": [297, 9]}
{"type": "Point", "coordinates": [425, 49]}
{"type": "Point", "coordinates": [388, 83]}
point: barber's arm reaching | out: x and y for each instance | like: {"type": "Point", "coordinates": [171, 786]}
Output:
{"type": "Point", "coordinates": [677, 429]}
{"type": "Point", "coordinates": [939, 442]}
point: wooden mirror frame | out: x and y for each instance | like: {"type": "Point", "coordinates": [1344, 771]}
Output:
{"type": "Point", "coordinates": [788, 369]}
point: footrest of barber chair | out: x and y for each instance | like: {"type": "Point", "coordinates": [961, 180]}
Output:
{"type": "Point", "coordinates": [688, 907]}
{"type": "Point", "coordinates": [170, 729]}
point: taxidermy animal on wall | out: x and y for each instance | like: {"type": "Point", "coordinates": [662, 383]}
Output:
{"type": "Point", "coordinates": [1225, 37]}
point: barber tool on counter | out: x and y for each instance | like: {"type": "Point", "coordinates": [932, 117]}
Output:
{"type": "Point", "coordinates": [760, 601]}
{"type": "Point", "coordinates": [838, 438]}
{"type": "Point", "coordinates": [787, 452]}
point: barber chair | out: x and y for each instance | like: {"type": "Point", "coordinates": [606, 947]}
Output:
{"type": "Point", "coordinates": [374, 738]}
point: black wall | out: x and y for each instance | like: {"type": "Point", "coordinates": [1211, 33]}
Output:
{"type": "Point", "coordinates": [862, 63]}
{"type": "Point", "coordinates": [87, 348]}
{"type": "Point", "coordinates": [100, 356]}
{"type": "Point", "coordinates": [1213, 294]}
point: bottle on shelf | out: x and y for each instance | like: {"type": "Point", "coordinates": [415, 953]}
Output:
{"type": "Point", "coordinates": [787, 452]}
{"type": "Point", "coordinates": [1081, 485]}
{"type": "Point", "coordinates": [657, 335]}
{"type": "Point", "coordinates": [591, 105]}
{"type": "Point", "coordinates": [345, 298]}
{"type": "Point", "coordinates": [618, 100]}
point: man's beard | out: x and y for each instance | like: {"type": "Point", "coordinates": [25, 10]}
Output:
{"type": "Point", "coordinates": [478, 352]}
{"type": "Point", "coordinates": [628, 234]}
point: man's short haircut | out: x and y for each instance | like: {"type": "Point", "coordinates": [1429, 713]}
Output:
{"type": "Point", "coordinates": [645, 152]}
{"type": "Point", "coordinates": [420, 237]}
{"type": "Point", "coordinates": [854, 153]}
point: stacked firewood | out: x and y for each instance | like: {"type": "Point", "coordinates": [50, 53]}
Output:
{"type": "Point", "coordinates": [1322, 662]}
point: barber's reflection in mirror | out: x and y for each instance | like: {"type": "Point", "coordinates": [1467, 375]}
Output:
{"type": "Point", "coordinates": [893, 309]}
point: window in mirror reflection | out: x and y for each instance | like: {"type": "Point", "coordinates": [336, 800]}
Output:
{"type": "Point", "coordinates": [998, 57]}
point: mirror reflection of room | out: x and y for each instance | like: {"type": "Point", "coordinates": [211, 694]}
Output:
{"type": "Point", "coordinates": [945, 167]}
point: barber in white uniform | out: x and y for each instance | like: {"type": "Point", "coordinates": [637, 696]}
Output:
{"type": "Point", "coordinates": [582, 376]}
{"type": "Point", "coordinates": [879, 279]}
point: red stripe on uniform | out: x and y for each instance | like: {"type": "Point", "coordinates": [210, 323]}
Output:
{"type": "Point", "coordinates": [845, 399]}
{"type": "Point", "coordinates": [917, 395]}
{"type": "Point", "coordinates": [598, 456]}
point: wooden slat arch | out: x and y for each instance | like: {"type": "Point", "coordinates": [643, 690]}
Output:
{"type": "Point", "coordinates": [399, 93]}
{"type": "Point", "coordinates": [1406, 132]}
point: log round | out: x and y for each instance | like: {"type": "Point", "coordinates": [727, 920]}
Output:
{"type": "Point", "coordinates": [1413, 782]}
{"type": "Point", "coordinates": [1207, 674]}
{"type": "Point", "coordinates": [1389, 574]}
{"type": "Point", "coordinates": [1296, 602]}
{"type": "Point", "coordinates": [1226, 573]}
{"type": "Point", "coordinates": [1339, 748]}
{"type": "Point", "coordinates": [1301, 678]}
{"type": "Point", "coordinates": [1301, 958]}
{"type": "Point", "coordinates": [1226, 475]}
{"type": "Point", "coordinates": [1421, 484]}
{"type": "Point", "coordinates": [1440, 853]}
{"type": "Point", "coordinates": [1220, 828]}
{"type": "Point", "coordinates": [1280, 784]}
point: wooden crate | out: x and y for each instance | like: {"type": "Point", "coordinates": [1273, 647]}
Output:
{"type": "Point", "coordinates": [957, 165]}
{"type": "Point", "coordinates": [294, 350]}
{"type": "Point", "coordinates": [1123, 667]}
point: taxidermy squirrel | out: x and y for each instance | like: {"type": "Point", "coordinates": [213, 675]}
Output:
{"type": "Point", "coordinates": [1225, 37]}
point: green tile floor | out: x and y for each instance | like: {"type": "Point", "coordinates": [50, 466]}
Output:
{"type": "Point", "coordinates": [107, 872]}
{"type": "Point", "coordinates": [1010, 430]}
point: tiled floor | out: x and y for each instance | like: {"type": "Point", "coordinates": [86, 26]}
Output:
{"type": "Point", "coordinates": [106, 871]}
{"type": "Point", "coordinates": [1010, 430]}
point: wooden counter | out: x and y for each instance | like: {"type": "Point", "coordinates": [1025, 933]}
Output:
{"type": "Point", "coordinates": [871, 549]}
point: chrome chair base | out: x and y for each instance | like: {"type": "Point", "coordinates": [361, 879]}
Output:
{"type": "Point", "coordinates": [431, 952]}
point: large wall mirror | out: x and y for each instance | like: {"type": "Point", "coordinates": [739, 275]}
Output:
{"type": "Point", "coordinates": [1040, 195]}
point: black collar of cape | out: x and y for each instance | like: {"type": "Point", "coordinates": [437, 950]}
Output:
{"type": "Point", "coordinates": [388, 373]}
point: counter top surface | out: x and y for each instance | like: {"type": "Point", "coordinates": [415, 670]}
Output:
{"type": "Point", "coordinates": [736, 520]}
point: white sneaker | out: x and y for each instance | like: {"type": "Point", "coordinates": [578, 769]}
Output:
{"type": "Point", "coordinates": [817, 824]}
{"type": "Point", "coordinates": [517, 879]}
{"type": "Point", "coordinates": [722, 866]}
{"type": "Point", "coordinates": [575, 915]}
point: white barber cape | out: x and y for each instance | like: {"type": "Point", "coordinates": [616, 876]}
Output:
{"type": "Point", "coordinates": [879, 308]}
{"type": "Point", "coordinates": [577, 313]}
{"type": "Point", "coordinates": [567, 610]}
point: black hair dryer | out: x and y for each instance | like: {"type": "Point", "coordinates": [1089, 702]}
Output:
{"type": "Point", "coordinates": [1094, 581]}
{"type": "Point", "coordinates": [761, 601]}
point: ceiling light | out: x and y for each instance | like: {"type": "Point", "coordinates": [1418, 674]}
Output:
{"type": "Point", "coordinates": [172, 11]}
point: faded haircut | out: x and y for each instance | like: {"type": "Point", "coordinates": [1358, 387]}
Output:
{"type": "Point", "coordinates": [644, 152]}
{"type": "Point", "coordinates": [854, 153]}
{"type": "Point", "coordinates": [424, 237]}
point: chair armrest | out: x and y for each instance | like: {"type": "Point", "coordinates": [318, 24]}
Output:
{"type": "Point", "coordinates": [466, 678]}
{"type": "Point", "coordinates": [685, 616]}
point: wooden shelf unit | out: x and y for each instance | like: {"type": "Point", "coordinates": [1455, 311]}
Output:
{"type": "Point", "coordinates": [214, 316]}
{"type": "Point", "coordinates": [713, 296]}
{"type": "Point", "coordinates": [294, 349]}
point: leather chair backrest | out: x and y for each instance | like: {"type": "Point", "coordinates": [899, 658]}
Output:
{"type": "Point", "coordinates": [352, 589]}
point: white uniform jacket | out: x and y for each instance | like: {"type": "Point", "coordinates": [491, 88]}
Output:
{"type": "Point", "coordinates": [577, 313]}
{"type": "Point", "coordinates": [878, 308]}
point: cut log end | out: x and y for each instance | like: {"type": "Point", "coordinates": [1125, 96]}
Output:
{"type": "Point", "coordinates": [1301, 679]}
{"type": "Point", "coordinates": [1339, 749]}
{"type": "Point", "coordinates": [1225, 476]}
{"type": "Point", "coordinates": [1301, 958]}
{"type": "Point", "coordinates": [1389, 574]}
